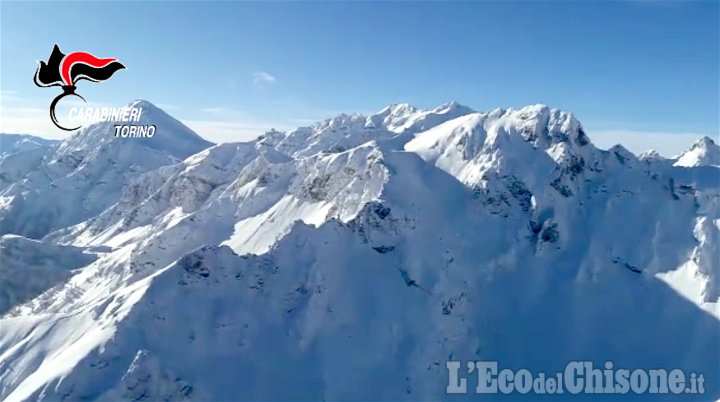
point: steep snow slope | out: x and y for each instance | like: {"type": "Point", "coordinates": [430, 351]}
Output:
{"type": "Point", "coordinates": [30, 267]}
{"type": "Point", "coordinates": [86, 173]}
{"type": "Point", "coordinates": [233, 194]}
{"type": "Point", "coordinates": [499, 236]}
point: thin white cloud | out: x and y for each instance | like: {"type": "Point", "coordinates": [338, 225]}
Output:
{"type": "Point", "coordinates": [221, 111]}
{"type": "Point", "coordinates": [263, 78]}
{"type": "Point", "coordinates": [8, 96]}
{"type": "Point", "coordinates": [666, 144]}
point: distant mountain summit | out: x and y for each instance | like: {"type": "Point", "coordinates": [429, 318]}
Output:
{"type": "Point", "coordinates": [704, 152]}
{"type": "Point", "coordinates": [172, 138]}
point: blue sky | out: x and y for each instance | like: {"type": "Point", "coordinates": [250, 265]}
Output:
{"type": "Point", "coordinates": [629, 70]}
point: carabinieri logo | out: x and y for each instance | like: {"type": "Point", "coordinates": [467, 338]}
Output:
{"type": "Point", "coordinates": [66, 70]}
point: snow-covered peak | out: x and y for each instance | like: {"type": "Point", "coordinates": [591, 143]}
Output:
{"type": "Point", "coordinates": [452, 107]}
{"type": "Point", "coordinates": [146, 105]}
{"type": "Point", "coordinates": [704, 152]}
{"type": "Point", "coordinates": [346, 131]}
{"type": "Point", "coordinates": [397, 109]}
{"type": "Point", "coordinates": [650, 154]}
{"type": "Point", "coordinates": [470, 145]}
{"type": "Point", "coordinates": [171, 136]}
{"type": "Point", "coordinates": [408, 119]}
{"type": "Point", "coordinates": [394, 115]}
{"type": "Point", "coordinates": [341, 121]}
{"type": "Point", "coordinates": [704, 142]}
{"type": "Point", "coordinates": [623, 154]}
{"type": "Point", "coordinates": [530, 150]}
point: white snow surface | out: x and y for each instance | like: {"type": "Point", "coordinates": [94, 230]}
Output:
{"type": "Point", "coordinates": [350, 259]}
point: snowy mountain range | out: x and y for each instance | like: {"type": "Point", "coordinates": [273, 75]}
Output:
{"type": "Point", "coordinates": [349, 260]}
{"type": "Point", "coordinates": [16, 143]}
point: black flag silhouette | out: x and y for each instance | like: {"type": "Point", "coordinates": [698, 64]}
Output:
{"type": "Point", "coordinates": [66, 70]}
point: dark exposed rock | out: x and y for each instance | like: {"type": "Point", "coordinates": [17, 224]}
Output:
{"type": "Point", "coordinates": [528, 133]}
{"type": "Point", "coordinates": [520, 192]}
{"type": "Point", "coordinates": [381, 211]}
{"type": "Point", "coordinates": [447, 306]}
{"type": "Point", "coordinates": [550, 234]}
{"type": "Point", "coordinates": [535, 227]}
{"type": "Point", "coordinates": [384, 249]}
{"type": "Point", "coordinates": [632, 268]}
{"type": "Point", "coordinates": [626, 265]}
{"type": "Point", "coordinates": [409, 282]}
{"type": "Point", "coordinates": [576, 165]}
{"type": "Point", "coordinates": [193, 264]}
{"type": "Point", "coordinates": [582, 138]}
{"type": "Point", "coordinates": [316, 189]}
{"type": "Point", "coordinates": [561, 188]}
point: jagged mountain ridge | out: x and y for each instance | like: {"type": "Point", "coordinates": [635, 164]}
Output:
{"type": "Point", "coordinates": [347, 131]}
{"type": "Point", "coordinates": [411, 235]}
